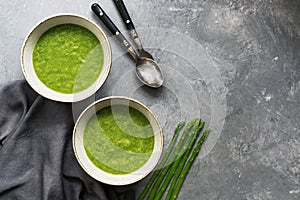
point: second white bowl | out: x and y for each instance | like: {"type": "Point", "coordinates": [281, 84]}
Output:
{"type": "Point", "coordinates": [97, 173]}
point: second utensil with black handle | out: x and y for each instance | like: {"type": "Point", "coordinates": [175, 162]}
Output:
{"type": "Point", "coordinates": [131, 28]}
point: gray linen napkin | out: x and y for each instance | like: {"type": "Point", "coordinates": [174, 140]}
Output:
{"type": "Point", "coordinates": [36, 155]}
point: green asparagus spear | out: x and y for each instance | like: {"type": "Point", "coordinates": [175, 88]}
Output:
{"type": "Point", "coordinates": [162, 162]}
{"type": "Point", "coordinates": [176, 169]}
{"type": "Point", "coordinates": [189, 164]}
{"type": "Point", "coordinates": [174, 156]}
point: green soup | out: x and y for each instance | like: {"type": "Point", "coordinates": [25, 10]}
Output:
{"type": "Point", "coordinates": [118, 139]}
{"type": "Point", "coordinates": [68, 58]}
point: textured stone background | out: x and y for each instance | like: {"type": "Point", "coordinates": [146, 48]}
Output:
{"type": "Point", "coordinates": [255, 47]}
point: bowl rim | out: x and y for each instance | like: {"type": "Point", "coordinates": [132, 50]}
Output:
{"type": "Point", "coordinates": [121, 182]}
{"type": "Point", "coordinates": [59, 97]}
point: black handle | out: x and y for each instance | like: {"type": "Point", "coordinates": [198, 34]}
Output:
{"type": "Point", "coordinates": [113, 28]}
{"type": "Point", "coordinates": [128, 22]}
{"type": "Point", "coordinates": [124, 14]}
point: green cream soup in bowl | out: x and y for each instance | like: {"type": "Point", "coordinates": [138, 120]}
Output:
{"type": "Point", "coordinates": [122, 133]}
{"type": "Point", "coordinates": [66, 58]}
{"type": "Point", "coordinates": [117, 140]}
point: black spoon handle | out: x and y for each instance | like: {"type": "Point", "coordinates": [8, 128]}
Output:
{"type": "Point", "coordinates": [113, 29]}
{"type": "Point", "coordinates": [124, 14]}
{"type": "Point", "coordinates": [128, 22]}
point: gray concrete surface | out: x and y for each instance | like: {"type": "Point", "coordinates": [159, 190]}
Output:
{"type": "Point", "coordinates": [234, 63]}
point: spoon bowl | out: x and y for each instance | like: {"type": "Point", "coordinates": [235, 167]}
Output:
{"type": "Point", "coordinates": [149, 73]}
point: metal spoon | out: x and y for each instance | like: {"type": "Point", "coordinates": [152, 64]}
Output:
{"type": "Point", "coordinates": [146, 69]}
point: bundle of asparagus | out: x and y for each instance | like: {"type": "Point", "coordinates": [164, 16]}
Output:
{"type": "Point", "coordinates": [176, 162]}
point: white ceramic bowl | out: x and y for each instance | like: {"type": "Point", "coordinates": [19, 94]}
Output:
{"type": "Point", "coordinates": [97, 173]}
{"type": "Point", "coordinates": [33, 37]}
